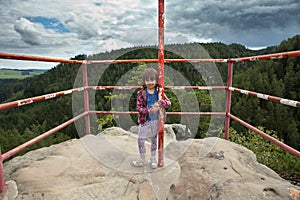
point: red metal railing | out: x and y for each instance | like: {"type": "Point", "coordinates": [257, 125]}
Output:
{"type": "Point", "coordinates": [266, 136]}
{"type": "Point", "coordinates": [31, 142]}
{"type": "Point", "coordinates": [161, 74]}
{"type": "Point", "coordinates": [267, 97]}
{"type": "Point", "coordinates": [86, 98]}
{"type": "Point", "coordinates": [229, 89]}
{"type": "Point", "coordinates": [168, 113]}
{"type": "Point", "coordinates": [161, 60]}
{"type": "Point", "coordinates": [228, 100]}
{"type": "Point", "coordinates": [23, 102]}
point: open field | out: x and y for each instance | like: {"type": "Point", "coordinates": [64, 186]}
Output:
{"type": "Point", "coordinates": [19, 74]}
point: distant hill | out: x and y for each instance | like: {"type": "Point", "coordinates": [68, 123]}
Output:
{"type": "Point", "coordinates": [19, 73]}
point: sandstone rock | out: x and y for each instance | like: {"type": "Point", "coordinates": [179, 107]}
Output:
{"type": "Point", "coordinates": [98, 167]}
{"type": "Point", "coordinates": [115, 131]}
{"type": "Point", "coordinates": [134, 129]}
{"type": "Point", "coordinates": [182, 132]}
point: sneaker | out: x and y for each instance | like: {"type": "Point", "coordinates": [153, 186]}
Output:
{"type": "Point", "coordinates": [153, 163]}
{"type": "Point", "coordinates": [138, 163]}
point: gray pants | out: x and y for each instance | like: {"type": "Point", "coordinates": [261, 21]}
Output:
{"type": "Point", "coordinates": [144, 129]}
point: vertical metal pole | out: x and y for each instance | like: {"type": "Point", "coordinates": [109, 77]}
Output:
{"type": "Point", "coordinates": [161, 61]}
{"type": "Point", "coordinates": [86, 98]}
{"type": "Point", "coordinates": [2, 180]}
{"type": "Point", "coordinates": [228, 99]}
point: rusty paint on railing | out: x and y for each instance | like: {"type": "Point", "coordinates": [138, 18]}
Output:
{"type": "Point", "coordinates": [23, 102]}
{"type": "Point", "coordinates": [228, 99]}
{"type": "Point", "coordinates": [31, 142]}
{"type": "Point", "coordinates": [166, 60]}
{"type": "Point", "coordinates": [168, 113]}
{"type": "Point", "coordinates": [268, 56]}
{"type": "Point", "coordinates": [166, 87]}
{"type": "Point", "coordinates": [36, 58]}
{"type": "Point", "coordinates": [266, 136]}
{"type": "Point", "coordinates": [287, 102]}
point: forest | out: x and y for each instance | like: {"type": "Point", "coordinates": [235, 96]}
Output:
{"type": "Point", "coordinates": [279, 78]}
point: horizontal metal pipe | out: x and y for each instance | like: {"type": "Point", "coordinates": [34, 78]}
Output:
{"type": "Point", "coordinates": [45, 59]}
{"type": "Point", "coordinates": [268, 56]}
{"type": "Point", "coordinates": [266, 136]}
{"type": "Point", "coordinates": [23, 102]}
{"type": "Point", "coordinates": [114, 87]}
{"type": "Point", "coordinates": [244, 59]}
{"type": "Point", "coordinates": [166, 87]}
{"type": "Point", "coordinates": [168, 113]}
{"type": "Point", "coordinates": [40, 137]}
{"type": "Point", "coordinates": [267, 97]}
{"type": "Point", "coordinates": [154, 61]}
{"type": "Point", "coordinates": [195, 60]}
{"type": "Point", "coordinates": [196, 87]}
{"type": "Point", "coordinates": [36, 58]}
{"type": "Point", "coordinates": [122, 61]}
{"type": "Point", "coordinates": [198, 113]}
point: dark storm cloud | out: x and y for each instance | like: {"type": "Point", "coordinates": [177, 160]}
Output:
{"type": "Point", "coordinates": [231, 20]}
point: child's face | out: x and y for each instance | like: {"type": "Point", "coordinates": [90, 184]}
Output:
{"type": "Point", "coordinates": [150, 84]}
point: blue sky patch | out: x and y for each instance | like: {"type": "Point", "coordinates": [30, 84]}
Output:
{"type": "Point", "coordinates": [98, 3]}
{"type": "Point", "coordinates": [117, 36]}
{"type": "Point", "coordinates": [50, 23]}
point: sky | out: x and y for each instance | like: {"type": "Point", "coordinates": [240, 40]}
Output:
{"type": "Point", "coordinates": [66, 28]}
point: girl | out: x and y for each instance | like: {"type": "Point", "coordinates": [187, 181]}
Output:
{"type": "Point", "coordinates": [148, 107]}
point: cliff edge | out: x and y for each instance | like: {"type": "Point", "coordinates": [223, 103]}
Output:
{"type": "Point", "coordinates": [98, 167]}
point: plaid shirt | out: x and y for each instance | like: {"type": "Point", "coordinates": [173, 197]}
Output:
{"type": "Point", "coordinates": [142, 107]}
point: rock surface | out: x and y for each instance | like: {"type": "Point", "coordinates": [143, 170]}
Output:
{"type": "Point", "coordinates": [98, 167]}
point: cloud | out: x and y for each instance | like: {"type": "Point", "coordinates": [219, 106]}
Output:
{"type": "Point", "coordinates": [111, 44]}
{"type": "Point", "coordinates": [35, 34]}
{"type": "Point", "coordinates": [64, 28]}
{"type": "Point", "coordinates": [49, 23]}
{"type": "Point", "coordinates": [82, 25]}
{"type": "Point", "coordinates": [237, 21]}
{"type": "Point", "coordinates": [29, 32]}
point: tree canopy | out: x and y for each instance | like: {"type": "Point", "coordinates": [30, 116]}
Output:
{"type": "Point", "coordinates": [277, 77]}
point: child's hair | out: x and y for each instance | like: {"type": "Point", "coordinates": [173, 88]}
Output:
{"type": "Point", "coordinates": [149, 74]}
